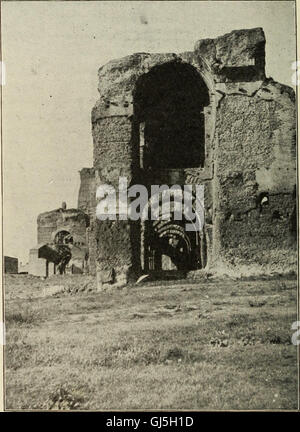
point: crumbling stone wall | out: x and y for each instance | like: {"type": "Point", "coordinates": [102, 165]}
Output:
{"type": "Point", "coordinates": [86, 195]}
{"type": "Point", "coordinates": [249, 167]}
{"type": "Point", "coordinates": [87, 203]}
{"type": "Point", "coordinates": [255, 159]}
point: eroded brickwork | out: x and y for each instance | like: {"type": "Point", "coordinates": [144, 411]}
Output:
{"type": "Point", "coordinates": [249, 168]}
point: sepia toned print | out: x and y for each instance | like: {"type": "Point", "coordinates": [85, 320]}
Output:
{"type": "Point", "coordinates": [159, 271]}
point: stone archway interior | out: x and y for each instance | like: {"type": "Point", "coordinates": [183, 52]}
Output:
{"type": "Point", "coordinates": [169, 101]}
{"type": "Point", "coordinates": [169, 246]}
{"type": "Point", "coordinates": [63, 237]}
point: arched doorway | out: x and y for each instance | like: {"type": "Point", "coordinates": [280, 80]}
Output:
{"type": "Point", "coordinates": [63, 237]}
{"type": "Point", "coordinates": [170, 247]}
{"type": "Point", "coordinates": [169, 133]}
{"type": "Point", "coordinates": [169, 106]}
{"type": "Point", "coordinates": [175, 238]}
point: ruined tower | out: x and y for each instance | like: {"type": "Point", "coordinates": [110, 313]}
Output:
{"type": "Point", "coordinates": [206, 117]}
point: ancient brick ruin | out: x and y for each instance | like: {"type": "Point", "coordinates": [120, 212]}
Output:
{"type": "Point", "coordinates": [62, 240]}
{"type": "Point", "coordinates": [205, 117]}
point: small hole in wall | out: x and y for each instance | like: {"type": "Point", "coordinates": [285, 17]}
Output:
{"type": "Point", "coordinates": [262, 200]}
{"type": "Point", "coordinates": [265, 201]}
{"type": "Point", "coordinates": [107, 104]}
{"type": "Point", "coordinates": [276, 215]}
{"type": "Point", "coordinates": [227, 216]}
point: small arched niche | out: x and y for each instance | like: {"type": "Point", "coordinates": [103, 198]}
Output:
{"type": "Point", "coordinates": [63, 237]}
{"type": "Point", "coordinates": [169, 104]}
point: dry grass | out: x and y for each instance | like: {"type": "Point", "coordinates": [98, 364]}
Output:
{"type": "Point", "coordinates": [206, 345]}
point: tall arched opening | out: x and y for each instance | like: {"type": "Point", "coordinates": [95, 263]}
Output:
{"type": "Point", "coordinates": [169, 106]}
{"type": "Point", "coordinates": [169, 129]}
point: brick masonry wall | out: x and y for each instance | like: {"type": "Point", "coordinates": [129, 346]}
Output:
{"type": "Point", "coordinates": [250, 151]}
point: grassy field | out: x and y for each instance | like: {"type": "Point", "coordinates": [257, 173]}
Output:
{"type": "Point", "coordinates": [203, 345]}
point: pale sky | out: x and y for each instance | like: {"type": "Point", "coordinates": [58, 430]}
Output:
{"type": "Point", "coordinates": [52, 52]}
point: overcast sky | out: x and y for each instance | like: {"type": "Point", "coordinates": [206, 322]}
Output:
{"type": "Point", "coordinates": [52, 51]}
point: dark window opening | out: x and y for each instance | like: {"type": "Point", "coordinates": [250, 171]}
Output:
{"type": "Point", "coordinates": [262, 200]}
{"type": "Point", "coordinates": [63, 237]}
{"type": "Point", "coordinates": [169, 101]}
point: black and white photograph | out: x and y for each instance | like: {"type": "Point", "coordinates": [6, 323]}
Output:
{"type": "Point", "coordinates": [150, 208]}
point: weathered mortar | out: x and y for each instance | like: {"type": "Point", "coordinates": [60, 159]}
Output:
{"type": "Point", "coordinates": [86, 195]}
{"type": "Point", "coordinates": [256, 156]}
{"type": "Point", "coordinates": [87, 203]}
{"type": "Point", "coordinates": [250, 150]}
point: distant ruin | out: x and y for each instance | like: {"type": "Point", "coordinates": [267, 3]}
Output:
{"type": "Point", "coordinates": [62, 241]}
{"type": "Point", "coordinates": [11, 265]}
{"type": "Point", "coordinates": [205, 117]}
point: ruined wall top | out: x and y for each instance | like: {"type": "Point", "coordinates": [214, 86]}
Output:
{"type": "Point", "coordinates": [239, 48]}
{"type": "Point", "coordinates": [64, 214]}
{"type": "Point", "coordinates": [238, 56]}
